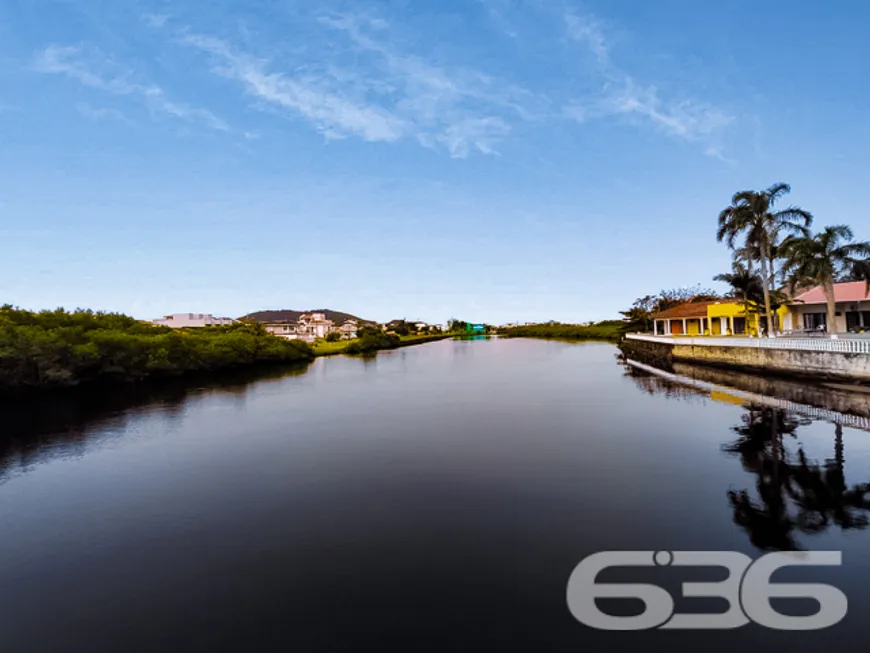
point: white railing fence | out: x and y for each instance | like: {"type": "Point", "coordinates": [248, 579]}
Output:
{"type": "Point", "coordinates": [846, 346]}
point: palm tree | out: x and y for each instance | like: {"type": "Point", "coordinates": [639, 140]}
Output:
{"type": "Point", "coordinates": [750, 215]}
{"type": "Point", "coordinates": [744, 283]}
{"type": "Point", "coordinates": [821, 260]}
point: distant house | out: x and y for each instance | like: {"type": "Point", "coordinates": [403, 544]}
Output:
{"type": "Point", "coordinates": [184, 320]}
{"type": "Point", "coordinates": [313, 325]}
{"type": "Point", "coordinates": [282, 330]}
{"type": "Point", "coordinates": [348, 329]}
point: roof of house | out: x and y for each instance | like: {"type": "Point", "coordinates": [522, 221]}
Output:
{"type": "Point", "coordinates": [850, 291]}
{"type": "Point", "coordinates": [687, 310]}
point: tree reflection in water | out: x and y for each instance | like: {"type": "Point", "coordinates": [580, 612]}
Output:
{"type": "Point", "coordinates": [794, 495]}
{"type": "Point", "coordinates": [46, 426]}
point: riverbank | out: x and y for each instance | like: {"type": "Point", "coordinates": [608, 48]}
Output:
{"type": "Point", "coordinates": [323, 348]}
{"type": "Point", "coordinates": [610, 330]}
{"type": "Point", "coordinates": [60, 349]}
{"type": "Point", "coordinates": [823, 360]}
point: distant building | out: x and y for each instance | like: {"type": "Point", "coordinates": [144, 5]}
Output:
{"type": "Point", "coordinates": [348, 329]}
{"type": "Point", "coordinates": [282, 330]}
{"type": "Point", "coordinates": [184, 320]}
{"type": "Point", "coordinates": [313, 325]}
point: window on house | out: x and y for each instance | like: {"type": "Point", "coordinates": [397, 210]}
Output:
{"type": "Point", "coordinates": [857, 320]}
{"type": "Point", "coordinates": [814, 320]}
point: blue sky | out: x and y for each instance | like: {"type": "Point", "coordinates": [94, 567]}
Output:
{"type": "Point", "coordinates": [493, 160]}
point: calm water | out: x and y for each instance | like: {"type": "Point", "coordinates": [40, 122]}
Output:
{"type": "Point", "coordinates": [434, 498]}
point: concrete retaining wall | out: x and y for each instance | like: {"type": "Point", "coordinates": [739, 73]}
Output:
{"type": "Point", "coordinates": [826, 365]}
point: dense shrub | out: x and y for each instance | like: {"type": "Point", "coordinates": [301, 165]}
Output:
{"type": "Point", "coordinates": [372, 341]}
{"type": "Point", "coordinates": [608, 330]}
{"type": "Point", "coordinates": [60, 348]}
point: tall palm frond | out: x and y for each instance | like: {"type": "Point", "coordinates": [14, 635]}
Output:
{"type": "Point", "coordinates": [750, 217]}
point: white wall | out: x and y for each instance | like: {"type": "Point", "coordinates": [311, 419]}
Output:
{"type": "Point", "coordinates": [180, 320]}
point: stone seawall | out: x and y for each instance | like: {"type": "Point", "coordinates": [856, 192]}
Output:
{"type": "Point", "coordinates": [820, 365]}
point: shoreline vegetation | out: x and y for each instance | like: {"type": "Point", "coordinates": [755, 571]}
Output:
{"type": "Point", "coordinates": [610, 330]}
{"type": "Point", "coordinates": [62, 349]}
{"type": "Point", "coordinates": [369, 343]}
{"type": "Point", "coordinates": [58, 349]}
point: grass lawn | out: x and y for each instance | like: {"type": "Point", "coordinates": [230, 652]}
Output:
{"type": "Point", "coordinates": [323, 348]}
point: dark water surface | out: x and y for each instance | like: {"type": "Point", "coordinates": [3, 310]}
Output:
{"type": "Point", "coordinates": [434, 498]}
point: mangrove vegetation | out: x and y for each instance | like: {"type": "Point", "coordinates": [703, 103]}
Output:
{"type": "Point", "coordinates": [60, 348]}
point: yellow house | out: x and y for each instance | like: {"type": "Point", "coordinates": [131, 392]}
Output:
{"type": "Point", "coordinates": [724, 317]}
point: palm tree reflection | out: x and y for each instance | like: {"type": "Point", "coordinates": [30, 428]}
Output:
{"type": "Point", "coordinates": [824, 497]}
{"type": "Point", "coordinates": [794, 494]}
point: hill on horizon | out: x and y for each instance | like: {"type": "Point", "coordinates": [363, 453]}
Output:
{"type": "Point", "coordinates": [288, 315]}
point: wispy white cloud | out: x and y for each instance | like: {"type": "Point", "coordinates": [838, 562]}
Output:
{"type": "Point", "coordinates": [589, 31]}
{"type": "Point", "coordinates": [336, 116]}
{"type": "Point", "coordinates": [622, 95]}
{"type": "Point", "coordinates": [102, 113]}
{"type": "Point", "coordinates": [481, 134]}
{"type": "Point", "coordinates": [496, 10]}
{"type": "Point", "coordinates": [155, 20]}
{"type": "Point", "coordinates": [399, 95]}
{"type": "Point", "coordinates": [687, 119]}
{"type": "Point", "coordinates": [717, 153]}
{"type": "Point", "coordinates": [93, 69]}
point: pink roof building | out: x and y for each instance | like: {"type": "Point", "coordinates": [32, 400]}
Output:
{"type": "Point", "coordinates": [851, 291]}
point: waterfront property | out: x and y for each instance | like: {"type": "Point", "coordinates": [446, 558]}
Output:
{"type": "Point", "coordinates": [846, 359]}
{"type": "Point", "coordinates": [807, 311]}
{"type": "Point", "coordinates": [724, 317]}
{"type": "Point", "coordinates": [311, 327]}
{"type": "Point", "coordinates": [852, 302]}
{"type": "Point", "coordinates": [186, 320]}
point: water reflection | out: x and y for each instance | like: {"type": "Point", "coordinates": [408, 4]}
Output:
{"type": "Point", "coordinates": [320, 512]}
{"type": "Point", "coordinates": [794, 495]}
{"type": "Point", "coordinates": [36, 428]}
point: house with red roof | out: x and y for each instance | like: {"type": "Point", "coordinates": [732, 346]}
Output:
{"type": "Point", "coordinates": [808, 310]}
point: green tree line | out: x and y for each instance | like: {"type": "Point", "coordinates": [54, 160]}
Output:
{"type": "Point", "coordinates": [61, 348]}
{"type": "Point", "coordinates": [606, 330]}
